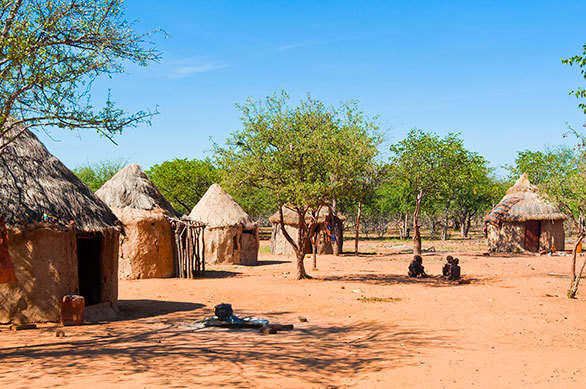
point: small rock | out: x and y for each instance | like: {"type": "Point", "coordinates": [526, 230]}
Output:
{"type": "Point", "coordinates": [342, 287]}
{"type": "Point", "coordinates": [357, 291]}
{"type": "Point", "coordinates": [302, 319]}
{"type": "Point", "coordinates": [60, 334]}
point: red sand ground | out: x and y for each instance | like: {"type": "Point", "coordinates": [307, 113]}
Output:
{"type": "Point", "coordinates": [512, 326]}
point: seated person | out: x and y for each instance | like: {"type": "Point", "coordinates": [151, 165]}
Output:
{"type": "Point", "coordinates": [454, 270]}
{"type": "Point", "coordinates": [446, 268]}
{"type": "Point", "coordinates": [416, 267]}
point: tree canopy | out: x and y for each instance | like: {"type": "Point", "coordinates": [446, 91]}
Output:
{"type": "Point", "coordinates": [580, 61]}
{"type": "Point", "coordinates": [96, 174]}
{"type": "Point", "coordinates": [306, 156]}
{"type": "Point", "coordinates": [50, 54]}
{"type": "Point", "coordinates": [183, 182]}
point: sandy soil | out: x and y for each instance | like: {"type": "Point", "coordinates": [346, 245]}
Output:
{"type": "Point", "coordinates": [511, 327]}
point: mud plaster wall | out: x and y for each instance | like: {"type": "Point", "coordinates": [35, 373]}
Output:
{"type": "Point", "coordinates": [146, 247]}
{"type": "Point", "coordinates": [249, 247]}
{"type": "Point", "coordinates": [510, 237]}
{"type": "Point", "coordinates": [552, 234]}
{"type": "Point", "coordinates": [109, 267]}
{"type": "Point", "coordinates": [280, 245]}
{"type": "Point", "coordinates": [222, 245]}
{"type": "Point", "coordinates": [45, 262]}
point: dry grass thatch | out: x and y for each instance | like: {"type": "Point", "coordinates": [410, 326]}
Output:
{"type": "Point", "coordinates": [34, 182]}
{"type": "Point", "coordinates": [291, 218]}
{"type": "Point", "coordinates": [218, 209]}
{"type": "Point", "coordinates": [130, 187]}
{"type": "Point", "coordinates": [532, 206]}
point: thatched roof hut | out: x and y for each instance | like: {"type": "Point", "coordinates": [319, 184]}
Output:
{"type": "Point", "coordinates": [62, 239]}
{"type": "Point", "coordinates": [525, 220]}
{"type": "Point", "coordinates": [280, 246]}
{"type": "Point", "coordinates": [146, 244]}
{"type": "Point", "coordinates": [231, 236]}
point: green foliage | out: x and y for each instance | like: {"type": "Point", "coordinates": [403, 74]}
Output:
{"type": "Point", "coordinates": [50, 54]}
{"type": "Point", "coordinates": [96, 174]}
{"type": "Point", "coordinates": [305, 156]}
{"type": "Point", "coordinates": [184, 181]}
{"type": "Point", "coordinates": [542, 166]}
{"type": "Point", "coordinates": [580, 61]}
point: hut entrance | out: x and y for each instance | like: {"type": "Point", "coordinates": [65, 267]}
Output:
{"type": "Point", "coordinates": [89, 252]}
{"type": "Point", "coordinates": [532, 231]}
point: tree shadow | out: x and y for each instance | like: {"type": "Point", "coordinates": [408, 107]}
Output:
{"type": "Point", "coordinates": [316, 355]}
{"type": "Point", "coordinates": [270, 262]}
{"type": "Point", "coordinates": [138, 309]}
{"type": "Point", "coordinates": [391, 279]}
{"type": "Point", "coordinates": [212, 274]}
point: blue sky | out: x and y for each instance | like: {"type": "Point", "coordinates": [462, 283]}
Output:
{"type": "Point", "coordinates": [489, 70]}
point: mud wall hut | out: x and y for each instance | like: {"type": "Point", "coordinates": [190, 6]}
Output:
{"type": "Point", "coordinates": [230, 236]}
{"type": "Point", "coordinates": [524, 221]}
{"type": "Point", "coordinates": [61, 238]}
{"type": "Point", "coordinates": [146, 242]}
{"type": "Point", "coordinates": [280, 245]}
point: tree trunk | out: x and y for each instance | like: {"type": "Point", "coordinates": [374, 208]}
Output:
{"type": "Point", "coordinates": [301, 274]}
{"type": "Point", "coordinates": [576, 277]}
{"type": "Point", "coordinates": [445, 227]}
{"type": "Point", "coordinates": [406, 226]}
{"type": "Point", "coordinates": [467, 227]}
{"type": "Point", "coordinates": [336, 229]}
{"type": "Point", "coordinates": [315, 242]}
{"type": "Point", "coordinates": [416, 232]}
{"type": "Point", "coordinates": [357, 227]}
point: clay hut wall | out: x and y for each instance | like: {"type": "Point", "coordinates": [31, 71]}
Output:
{"type": "Point", "coordinates": [552, 235]}
{"type": "Point", "coordinates": [146, 246]}
{"type": "Point", "coordinates": [509, 237]}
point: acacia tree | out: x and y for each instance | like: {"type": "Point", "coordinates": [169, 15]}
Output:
{"type": "Point", "coordinates": [306, 156]}
{"type": "Point", "coordinates": [424, 162]}
{"type": "Point", "coordinates": [50, 54]}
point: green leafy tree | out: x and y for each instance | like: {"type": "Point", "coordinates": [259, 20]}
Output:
{"type": "Point", "coordinates": [580, 61]}
{"type": "Point", "coordinates": [568, 191]}
{"type": "Point", "coordinates": [183, 182]}
{"type": "Point", "coordinates": [541, 166]}
{"type": "Point", "coordinates": [96, 174]}
{"type": "Point", "coordinates": [306, 156]}
{"type": "Point", "coordinates": [50, 54]}
{"type": "Point", "coordinates": [424, 162]}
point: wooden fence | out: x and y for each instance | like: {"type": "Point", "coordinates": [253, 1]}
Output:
{"type": "Point", "coordinates": [189, 247]}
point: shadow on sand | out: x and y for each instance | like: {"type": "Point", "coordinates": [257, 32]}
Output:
{"type": "Point", "coordinates": [316, 355]}
{"type": "Point", "coordinates": [390, 279]}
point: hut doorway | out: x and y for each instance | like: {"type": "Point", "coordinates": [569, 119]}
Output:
{"type": "Point", "coordinates": [89, 252]}
{"type": "Point", "coordinates": [532, 231]}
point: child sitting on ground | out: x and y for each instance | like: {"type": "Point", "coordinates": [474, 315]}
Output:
{"type": "Point", "coordinates": [446, 268]}
{"type": "Point", "coordinates": [416, 267]}
{"type": "Point", "coordinates": [454, 273]}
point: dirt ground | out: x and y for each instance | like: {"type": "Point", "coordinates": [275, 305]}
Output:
{"type": "Point", "coordinates": [510, 327]}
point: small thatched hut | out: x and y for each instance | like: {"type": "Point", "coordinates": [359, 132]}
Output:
{"type": "Point", "coordinates": [524, 221]}
{"type": "Point", "coordinates": [62, 239]}
{"type": "Point", "coordinates": [231, 236]}
{"type": "Point", "coordinates": [146, 242]}
{"type": "Point", "coordinates": [280, 245]}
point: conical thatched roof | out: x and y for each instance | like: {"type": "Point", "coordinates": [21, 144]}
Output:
{"type": "Point", "coordinates": [130, 187]}
{"type": "Point", "coordinates": [34, 182]}
{"type": "Point", "coordinates": [218, 209]}
{"type": "Point", "coordinates": [290, 217]}
{"type": "Point", "coordinates": [531, 205]}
